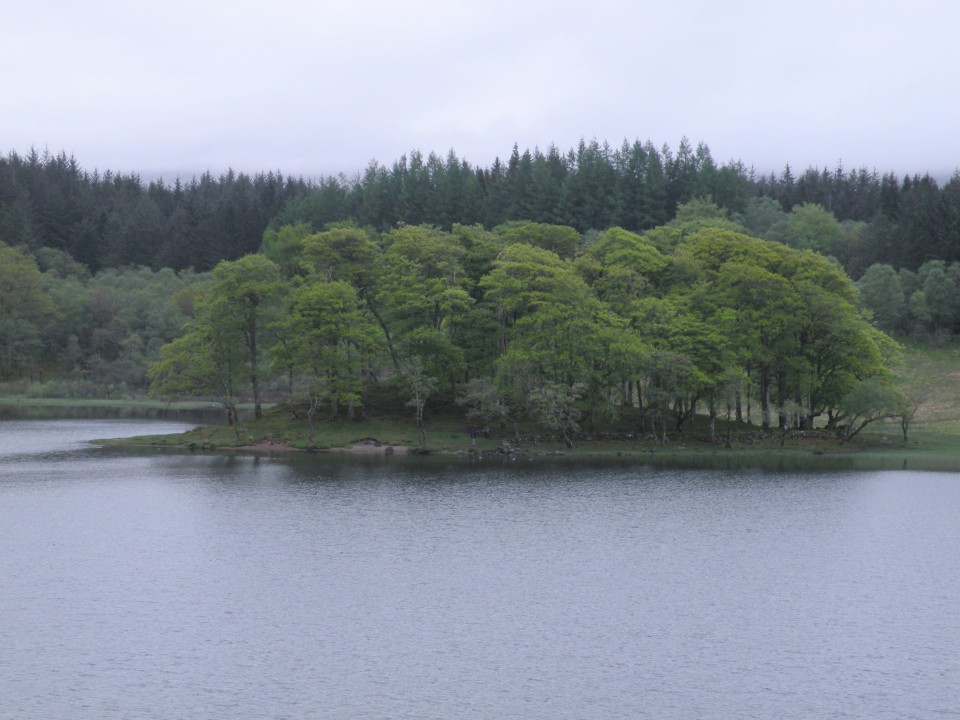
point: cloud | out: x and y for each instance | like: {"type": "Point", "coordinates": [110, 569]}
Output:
{"type": "Point", "coordinates": [320, 87]}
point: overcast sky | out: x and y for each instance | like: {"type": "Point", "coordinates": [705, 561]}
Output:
{"type": "Point", "coordinates": [178, 87]}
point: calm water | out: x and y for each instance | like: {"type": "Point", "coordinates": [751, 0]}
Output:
{"type": "Point", "coordinates": [190, 586]}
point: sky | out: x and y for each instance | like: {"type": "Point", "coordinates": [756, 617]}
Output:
{"type": "Point", "coordinates": [176, 88]}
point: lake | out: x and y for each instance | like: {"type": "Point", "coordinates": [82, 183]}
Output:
{"type": "Point", "coordinates": [176, 585]}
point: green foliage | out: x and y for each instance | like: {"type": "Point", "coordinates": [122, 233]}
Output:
{"type": "Point", "coordinates": [621, 266]}
{"type": "Point", "coordinates": [700, 213]}
{"type": "Point", "coordinates": [882, 293]}
{"type": "Point", "coordinates": [870, 400]}
{"type": "Point", "coordinates": [326, 338]}
{"type": "Point", "coordinates": [204, 362]}
{"type": "Point", "coordinates": [554, 406]}
{"type": "Point", "coordinates": [925, 303]}
{"type": "Point", "coordinates": [655, 314]}
{"type": "Point", "coordinates": [240, 302]}
{"type": "Point", "coordinates": [762, 213]}
{"type": "Point", "coordinates": [48, 202]}
{"type": "Point", "coordinates": [559, 239]}
{"type": "Point", "coordinates": [920, 314]}
{"type": "Point", "coordinates": [284, 246]}
{"type": "Point", "coordinates": [556, 340]}
{"type": "Point", "coordinates": [420, 385]}
{"type": "Point", "coordinates": [484, 402]}
{"type": "Point", "coordinates": [423, 298]}
{"type": "Point", "coordinates": [24, 306]}
{"type": "Point", "coordinates": [347, 254]}
{"type": "Point", "coordinates": [808, 227]}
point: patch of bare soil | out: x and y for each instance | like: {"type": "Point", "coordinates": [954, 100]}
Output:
{"type": "Point", "coordinates": [268, 446]}
{"type": "Point", "coordinates": [370, 446]}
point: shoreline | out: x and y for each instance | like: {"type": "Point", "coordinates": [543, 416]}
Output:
{"type": "Point", "coordinates": [361, 447]}
{"type": "Point", "coordinates": [689, 455]}
{"type": "Point", "coordinates": [930, 447]}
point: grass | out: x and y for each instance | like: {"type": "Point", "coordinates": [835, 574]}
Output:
{"type": "Point", "coordinates": [132, 403]}
{"type": "Point", "coordinates": [930, 374]}
{"type": "Point", "coordinates": [24, 401]}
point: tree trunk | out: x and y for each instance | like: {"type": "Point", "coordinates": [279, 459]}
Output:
{"type": "Point", "coordinates": [421, 434]}
{"type": "Point", "coordinates": [782, 420]}
{"type": "Point", "coordinates": [311, 412]}
{"type": "Point", "coordinates": [254, 374]}
{"type": "Point", "coordinates": [713, 422]}
{"type": "Point", "coordinates": [765, 399]}
{"type": "Point", "coordinates": [728, 446]}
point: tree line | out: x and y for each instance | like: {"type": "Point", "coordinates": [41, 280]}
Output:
{"type": "Point", "coordinates": [541, 323]}
{"type": "Point", "coordinates": [66, 332]}
{"type": "Point", "coordinates": [118, 221]}
{"type": "Point", "coordinates": [113, 220]}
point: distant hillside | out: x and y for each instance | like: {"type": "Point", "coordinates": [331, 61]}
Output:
{"type": "Point", "coordinates": [108, 220]}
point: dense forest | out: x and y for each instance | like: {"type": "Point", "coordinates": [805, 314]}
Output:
{"type": "Point", "coordinates": [117, 221]}
{"type": "Point", "coordinates": [531, 322]}
{"type": "Point", "coordinates": [555, 288]}
{"type": "Point", "coordinates": [112, 220]}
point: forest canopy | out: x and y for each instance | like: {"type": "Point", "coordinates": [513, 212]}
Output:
{"type": "Point", "coordinates": [555, 286]}
{"type": "Point", "coordinates": [108, 220]}
{"type": "Point", "coordinates": [501, 323]}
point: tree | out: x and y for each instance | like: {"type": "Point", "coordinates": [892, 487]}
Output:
{"type": "Point", "coordinates": [559, 239]}
{"type": "Point", "coordinates": [420, 386]}
{"type": "Point", "coordinates": [424, 296]}
{"type": "Point", "coordinates": [909, 407]}
{"type": "Point", "coordinates": [554, 406]}
{"type": "Point", "coordinates": [553, 329]}
{"type": "Point", "coordinates": [239, 302]}
{"type": "Point", "coordinates": [24, 306]}
{"type": "Point", "coordinates": [673, 385]}
{"type": "Point", "coordinates": [343, 253]}
{"type": "Point", "coordinates": [621, 266]}
{"type": "Point", "coordinates": [872, 399]}
{"type": "Point", "coordinates": [484, 402]}
{"type": "Point", "coordinates": [881, 292]}
{"type": "Point", "coordinates": [699, 213]}
{"type": "Point", "coordinates": [940, 294]}
{"type": "Point", "coordinates": [284, 247]}
{"type": "Point", "coordinates": [206, 361]}
{"type": "Point", "coordinates": [692, 216]}
{"type": "Point", "coordinates": [328, 338]}
{"type": "Point", "coordinates": [795, 322]}
{"type": "Point", "coordinates": [762, 213]}
{"type": "Point", "coordinates": [808, 227]}
{"type": "Point", "coordinates": [919, 311]}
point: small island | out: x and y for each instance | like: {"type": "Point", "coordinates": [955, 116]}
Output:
{"type": "Point", "coordinates": [704, 310]}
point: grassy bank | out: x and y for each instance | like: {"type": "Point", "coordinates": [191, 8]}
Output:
{"type": "Point", "coordinates": [929, 373]}
{"type": "Point", "coordinates": [131, 403]}
{"type": "Point", "coordinates": [146, 404]}
{"type": "Point", "coordinates": [881, 447]}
